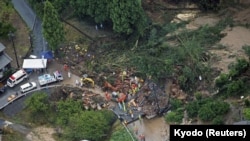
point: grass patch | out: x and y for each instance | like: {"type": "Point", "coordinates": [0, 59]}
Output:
{"type": "Point", "coordinates": [71, 35]}
{"type": "Point", "coordinates": [9, 135]}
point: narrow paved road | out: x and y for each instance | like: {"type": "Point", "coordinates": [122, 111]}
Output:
{"type": "Point", "coordinates": [34, 24]}
{"type": "Point", "coordinates": [27, 14]}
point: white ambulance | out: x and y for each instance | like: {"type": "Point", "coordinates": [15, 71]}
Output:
{"type": "Point", "coordinates": [17, 77]}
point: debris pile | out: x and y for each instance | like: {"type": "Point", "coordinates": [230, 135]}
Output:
{"type": "Point", "coordinates": [177, 93]}
{"type": "Point", "coordinates": [93, 101]}
{"type": "Point", "coordinates": [89, 99]}
{"type": "Point", "coordinates": [152, 100]}
{"type": "Point", "coordinates": [123, 88]}
{"type": "Point", "coordinates": [135, 98]}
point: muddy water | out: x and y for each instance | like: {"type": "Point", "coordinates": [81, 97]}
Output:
{"type": "Point", "coordinates": [155, 129]}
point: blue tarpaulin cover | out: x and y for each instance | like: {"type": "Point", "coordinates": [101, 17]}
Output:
{"type": "Point", "coordinates": [47, 55]}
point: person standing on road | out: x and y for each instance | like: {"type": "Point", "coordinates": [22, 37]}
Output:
{"type": "Point", "coordinates": [136, 129]}
{"type": "Point", "coordinates": [142, 137]}
{"type": "Point", "coordinates": [69, 74]}
{"type": "Point", "coordinates": [65, 67]}
{"type": "Point", "coordinates": [77, 82]}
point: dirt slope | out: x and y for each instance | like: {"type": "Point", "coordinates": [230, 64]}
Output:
{"type": "Point", "coordinates": [236, 36]}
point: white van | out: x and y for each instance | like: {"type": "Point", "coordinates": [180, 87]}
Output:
{"type": "Point", "coordinates": [16, 78]}
{"type": "Point", "coordinates": [27, 87]}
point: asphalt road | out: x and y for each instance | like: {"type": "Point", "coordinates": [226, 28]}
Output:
{"type": "Point", "coordinates": [34, 24]}
{"type": "Point", "coordinates": [9, 91]}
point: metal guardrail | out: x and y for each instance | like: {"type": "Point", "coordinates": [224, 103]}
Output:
{"type": "Point", "coordinates": [24, 94]}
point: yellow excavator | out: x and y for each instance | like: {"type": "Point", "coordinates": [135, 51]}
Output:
{"type": "Point", "coordinates": [86, 80]}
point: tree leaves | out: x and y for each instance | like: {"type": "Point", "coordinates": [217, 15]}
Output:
{"type": "Point", "coordinates": [127, 16]}
{"type": "Point", "coordinates": [89, 125]}
{"type": "Point", "coordinates": [38, 103]}
{"type": "Point", "coordinates": [52, 27]}
{"type": "Point", "coordinates": [246, 113]}
{"type": "Point", "coordinates": [65, 109]}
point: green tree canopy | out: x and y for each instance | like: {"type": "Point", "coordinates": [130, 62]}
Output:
{"type": "Point", "coordinates": [5, 21]}
{"type": "Point", "coordinates": [175, 116]}
{"type": "Point", "coordinates": [38, 103]}
{"type": "Point", "coordinates": [127, 16]}
{"type": "Point", "coordinates": [97, 9]}
{"type": "Point", "coordinates": [212, 109]}
{"type": "Point", "coordinates": [91, 125]}
{"type": "Point", "coordinates": [52, 27]}
{"type": "Point", "coordinates": [61, 5]}
{"type": "Point", "coordinates": [65, 109]}
{"type": "Point", "coordinates": [120, 134]}
{"type": "Point", "coordinates": [246, 113]}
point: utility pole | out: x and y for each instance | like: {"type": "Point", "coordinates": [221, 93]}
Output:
{"type": "Point", "coordinates": [11, 37]}
{"type": "Point", "coordinates": [31, 42]}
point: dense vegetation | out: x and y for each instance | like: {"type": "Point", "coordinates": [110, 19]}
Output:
{"type": "Point", "coordinates": [52, 27]}
{"type": "Point", "coordinates": [204, 109]}
{"type": "Point", "coordinates": [69, 115]}
{"type": "Point", "coordinates": [126, 16]}
{"type": "Point", "coordinates": [5, 21]}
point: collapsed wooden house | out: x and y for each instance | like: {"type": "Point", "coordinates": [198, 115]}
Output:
{"type": "Point", "coordinates": [149, 101]}
{"type": "Point", "coordinates": [152, 100]}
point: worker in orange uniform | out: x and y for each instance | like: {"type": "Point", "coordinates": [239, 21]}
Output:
{"type": "Point", "coordinates": [107, 95]}
{"type": "Point", "coordinates": [65, 67]}
{"type": "Point", "coordinates": [142, 137]}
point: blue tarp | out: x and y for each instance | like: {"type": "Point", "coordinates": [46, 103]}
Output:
{"type": "Point", "coordinates": [47, 54]}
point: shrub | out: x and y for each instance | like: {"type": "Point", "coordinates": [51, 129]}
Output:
{"type": "Point", "coordinates": [206, 113]}
{"type": "Point", "coordinates": [246, 113]}
{"type": "Point", "coordinates": [198, 95]}
{"type": "Point", "coordinates": [235, 87]}
{"type": "Point", "coordinates": [222, 80]}
{"type": "Point", "coordinates": [238, 68]}
{"type": "Point", "coordinates": [218, 120]}
{"type": "Point", "coordinates": [174, 116]}
{"type": "Point", "coordinates": [219, 108]}
{"type": "Point", "coordinates": [192, 109]}
{"type": "Point", "coordinates": [175, 104]}
{"type": "Point", "coordinates": [247, 102]}
{"type": "Point", "coordinates": [212, 109]}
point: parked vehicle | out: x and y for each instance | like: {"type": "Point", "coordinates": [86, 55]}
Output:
{"type": "Point", "coordinates": [58, 75]}
{"type": "Point", "coordinates": [17, 77]}
{"type": "Point", "coordinates": [2, 87]}
{"type": "Point", "coordinates": [48, 78]}
{"type": "Point", "coordinates": [27, 87]}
